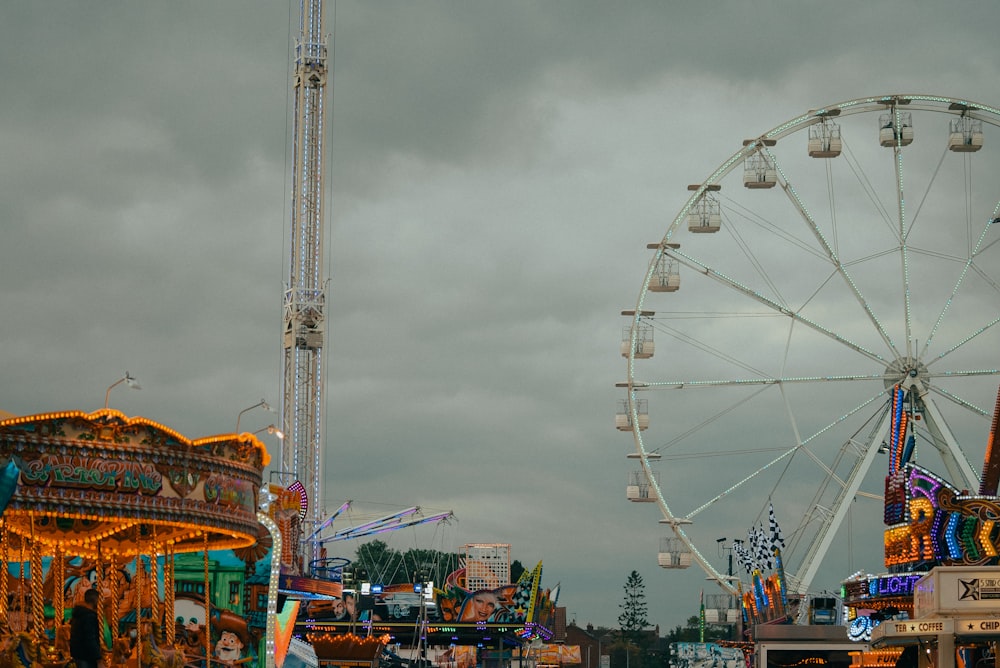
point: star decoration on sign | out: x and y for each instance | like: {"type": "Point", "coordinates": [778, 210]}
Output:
{"type": "Point", "coordinates": [970, 589]}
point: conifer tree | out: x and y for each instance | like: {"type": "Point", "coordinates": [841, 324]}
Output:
{"type": "Point", "coordinates": [633, 617]}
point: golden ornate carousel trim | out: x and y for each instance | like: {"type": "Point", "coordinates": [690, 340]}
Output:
{"type": "Point", "coordinates": [110, 426]}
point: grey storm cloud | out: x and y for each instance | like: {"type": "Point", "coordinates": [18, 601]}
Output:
{"type": "Point", "coordinates": [495, 171]}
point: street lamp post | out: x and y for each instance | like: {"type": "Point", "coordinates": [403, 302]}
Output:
{"type": "Point", "coordinates": [600, 654]}
{"type": "Point", "coordinates": [128, 379]}
{"type": "Point", "coordinates": [278, 434]}
{"type": "Point", "coordinates": [260, 404]}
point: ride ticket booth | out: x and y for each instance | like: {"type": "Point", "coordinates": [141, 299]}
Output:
{"type": "Point", "coordinates": [956, 620]}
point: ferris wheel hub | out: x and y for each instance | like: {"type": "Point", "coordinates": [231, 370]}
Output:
{"type": "Point", "coordinates": [908, 372]}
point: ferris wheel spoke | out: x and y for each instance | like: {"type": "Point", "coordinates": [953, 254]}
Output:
{"type": "Point", "coordinates": [902, 231]}
{"type": "Point", "coordinates": [711, 350]}
{"type": "Point", "coordinates": [732, 488]}
{"type": "Point", "coordinates": [958, 401]}
{"type": "Point", "coordinates": [982, 274]}
{"type": "Point", "coordinates": [804, 442]}
{"type": "Point", "coordinates": [830, 471]}
{"type": "Point", "coordinates": [735, 209]}
{"type": "Point", "coordinates": [830, 253]}
{"type": "Point", "coordinates": [683, 436]}
{"type": "Point", "coordinates": [966, 341]}
{"type": "Point", "coordinates": [969, 264]}
{"type": "Point", "coordinates": [845, 416]}
{"type": "Point", "coordinates": [787, 452]}
{"type": "Point", "coordinates": [733, 382]}
{"type": "Point", "coordinates": [778, 308]}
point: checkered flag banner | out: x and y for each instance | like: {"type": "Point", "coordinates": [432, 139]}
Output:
{"type": "Point", "coordinates": [743, 555]}
{"type": "Point", "coordinates": [764, 554]}
{"type": "Point", "coordinates": [753, 550]}
{"type": "Point", "coordinates": [756, 549]}
{"type": "Point", "coordinates": [777, 540]}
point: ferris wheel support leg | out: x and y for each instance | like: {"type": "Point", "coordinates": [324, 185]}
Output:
{"type": "Point", "coordinates": [828, 531]}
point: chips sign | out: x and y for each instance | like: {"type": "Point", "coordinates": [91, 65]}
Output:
{"type": "Point", "coordinates": [971, 627]}
{"type": "Point", "coordinates": [891, 631]}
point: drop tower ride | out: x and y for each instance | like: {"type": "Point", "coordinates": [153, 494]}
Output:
{"type": "Point", "coordinates": [304, 303]}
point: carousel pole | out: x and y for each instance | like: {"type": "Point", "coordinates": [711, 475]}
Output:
{"type": "Point", "coordinates": [168, 593]}
{"type": "Point", "coordinates": [59, 586]}
{"type": "Point", "coordinates": [138, 594]}
{"type": "Point", "coordinates": [22, 599]}
{"type": "Point", "coordinates": [208, 606]}
{"type": "Point", "coordinates": [115, 611]}
{"type": "Point", "coordinates": [4, 579]}
{"type": "Point", "coordinates": [154, 585]}
{"type": "Point", "coordinates": [37, 595]}
{"type": "Point", "coordinates": [102, 582]}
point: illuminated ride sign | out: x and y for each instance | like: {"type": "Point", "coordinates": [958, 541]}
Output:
{"type": "Point", "coordinates": [880, 587]}
{"type": "Point", "coordinates": [931, 522]}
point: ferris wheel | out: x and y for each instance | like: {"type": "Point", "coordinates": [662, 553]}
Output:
{"type": "Point", "coordinates": [851, 249]}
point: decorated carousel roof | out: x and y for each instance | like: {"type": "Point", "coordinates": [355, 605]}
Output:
{"type": "Point", "coordinates": [104, 483]}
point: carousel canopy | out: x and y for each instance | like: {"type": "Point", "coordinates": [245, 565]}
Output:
{"type": "Point", "coordinates": [103, 483]}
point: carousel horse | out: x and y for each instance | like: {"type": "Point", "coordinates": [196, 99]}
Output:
{"type": "Point", "coordinates": [18, 651]}
{"type": "Point", "coordinates": [152, 656]}
{"type": "Point", "coordinates": [147, 655]}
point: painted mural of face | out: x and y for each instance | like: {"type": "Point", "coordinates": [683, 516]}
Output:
{"type": "Point", "coordinates": [481, 607]}
{"type": "Point", "coordinates": [229, 648]}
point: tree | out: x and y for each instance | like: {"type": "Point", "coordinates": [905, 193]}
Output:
{"type": "Point", "coordinates": [384, 565]}
{"type": "Point", "coordinates": [516, 569]}
{"type": "Point", "coordinates": [633, 618]}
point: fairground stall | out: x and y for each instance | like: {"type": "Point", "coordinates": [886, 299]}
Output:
{"type": "Point", "coordinates": [140, 512]}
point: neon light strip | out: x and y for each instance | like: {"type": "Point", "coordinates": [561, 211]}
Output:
{"type": "Point", "coordinates": [329, 521]}
{"type": "Point", "coordinates": [382, 521]}
{"type": "Point", "coordinates": [382, 529]}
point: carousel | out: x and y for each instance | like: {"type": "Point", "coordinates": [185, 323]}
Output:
{"type": "Point", "coordinates": [101, 500]}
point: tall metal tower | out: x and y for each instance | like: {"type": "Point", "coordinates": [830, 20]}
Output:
{"type": "Point", "coordinates": [305, 296]}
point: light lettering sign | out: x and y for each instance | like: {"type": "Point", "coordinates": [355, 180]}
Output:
{"type": "Point", "coordinates": [932, 522]}
{"type": "Point", "coordinates": [893, 585]}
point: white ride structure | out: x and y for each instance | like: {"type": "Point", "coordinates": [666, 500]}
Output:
{"type": "Point", "coordinates": [861, 250]}
{"type": "Point", "coordinates": [304, 320]}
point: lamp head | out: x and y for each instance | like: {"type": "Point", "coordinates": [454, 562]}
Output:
{"type": "Point", "coordinates": [260, 404]}
{"type": "Point", "coordinates": [271, 429]}
{"type": "Point", "coordinates": [132, 381]}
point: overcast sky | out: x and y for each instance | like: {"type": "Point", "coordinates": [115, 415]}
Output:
{"type": "Point", "coordinates": [496, 171]}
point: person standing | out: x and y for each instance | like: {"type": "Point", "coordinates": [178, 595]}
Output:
{"type": "Point", "coordinates": [85, 633]}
